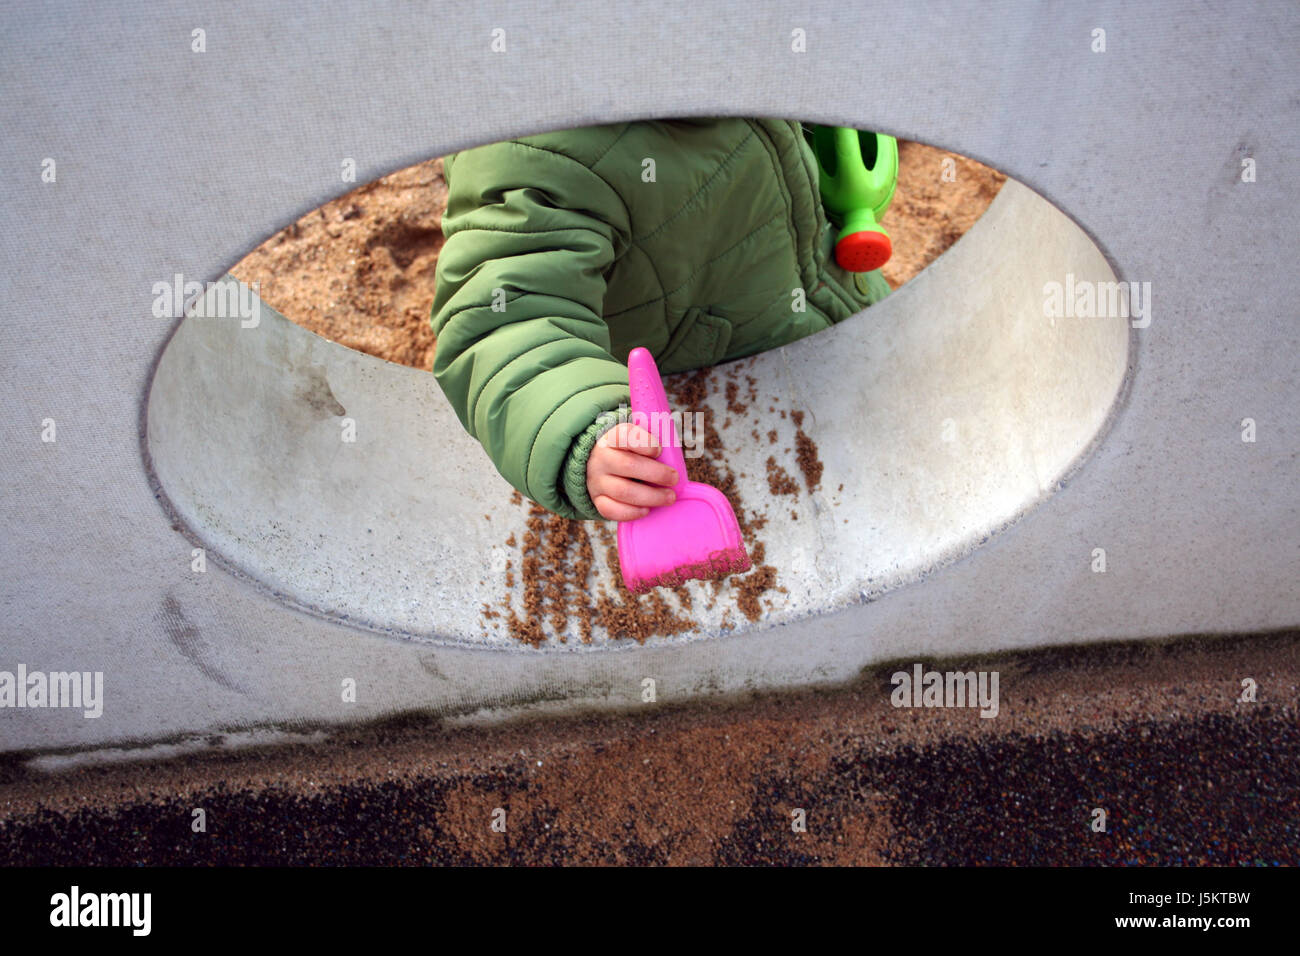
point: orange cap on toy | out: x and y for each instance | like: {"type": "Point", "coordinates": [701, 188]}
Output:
{"type": "Point", "coordinates": [863, 251]}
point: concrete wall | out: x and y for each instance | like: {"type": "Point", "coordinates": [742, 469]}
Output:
{"type": "Point", "coordinates": [173, 161]}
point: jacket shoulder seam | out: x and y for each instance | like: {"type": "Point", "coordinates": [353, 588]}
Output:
{"type": "Point", "coordinates": [579, 163]}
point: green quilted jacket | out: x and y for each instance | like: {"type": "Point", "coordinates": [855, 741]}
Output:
{"type": "Point", "coordinates": [566, 250]}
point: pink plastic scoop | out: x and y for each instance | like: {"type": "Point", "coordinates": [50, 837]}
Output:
{"type": "Point", "coordinates": [697, 536]}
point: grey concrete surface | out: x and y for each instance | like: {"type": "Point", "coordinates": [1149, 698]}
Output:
{"type": "Point", "coordinates": [173, 161]}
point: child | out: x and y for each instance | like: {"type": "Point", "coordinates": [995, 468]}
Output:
{"type": "Point", "coordinates": [703, 240]}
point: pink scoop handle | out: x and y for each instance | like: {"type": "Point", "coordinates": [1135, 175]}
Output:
{"type": "Point", "coordinates": [650, 400]}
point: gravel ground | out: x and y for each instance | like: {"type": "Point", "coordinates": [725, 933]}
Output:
{"type": "Point", "coordinates": [1151, 733]}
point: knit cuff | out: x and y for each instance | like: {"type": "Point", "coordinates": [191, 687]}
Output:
{"type": "Point", "coordinates": [575, 465]}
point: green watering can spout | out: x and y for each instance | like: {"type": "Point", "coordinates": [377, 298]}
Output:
{"type": "Point", "coordinates": [858, 171]}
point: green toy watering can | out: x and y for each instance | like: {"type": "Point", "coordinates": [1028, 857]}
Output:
{"type": "Point", "coordinates": [858, 172]}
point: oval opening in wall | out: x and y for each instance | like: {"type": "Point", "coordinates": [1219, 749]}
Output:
{"type": "Point", "coordinates": [858, 458]}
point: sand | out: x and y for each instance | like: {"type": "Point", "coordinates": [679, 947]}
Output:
{"type": "Point", "coordinates": [1152, 732]}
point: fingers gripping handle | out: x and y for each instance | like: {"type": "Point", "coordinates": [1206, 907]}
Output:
{"type": "Point", "coordinates": [650, 408]}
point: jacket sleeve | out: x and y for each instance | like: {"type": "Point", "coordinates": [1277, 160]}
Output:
{"type": "Point", "coordinates": [522, 350]}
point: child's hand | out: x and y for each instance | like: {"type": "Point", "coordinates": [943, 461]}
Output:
{"type": "Point", "coordinates": [623, 478]}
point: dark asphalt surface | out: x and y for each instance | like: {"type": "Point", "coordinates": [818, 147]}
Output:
{"type": "Point", "coordinates": [1211, 782]}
